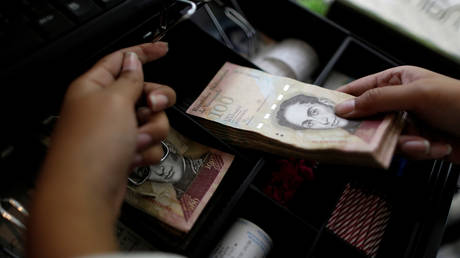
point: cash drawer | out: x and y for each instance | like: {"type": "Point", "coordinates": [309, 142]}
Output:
{"type": "Point", "coordinates": [411, 189]}
{"type": "Point", "coordinates": [416, 195]}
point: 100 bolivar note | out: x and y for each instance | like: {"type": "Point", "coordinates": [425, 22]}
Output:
{"type": "Point", "coordinates": [258, 110]}
{"type": "Point", "coordinates": [176, 190]}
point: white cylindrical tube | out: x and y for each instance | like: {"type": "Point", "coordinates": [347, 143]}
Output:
{"type": "Point", "coordinates": [291, 58]}
{"type": "Point", "coordinates": [243, 240]}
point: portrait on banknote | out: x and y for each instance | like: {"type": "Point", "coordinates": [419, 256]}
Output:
{"type": "Point", "coordinates": [178, 188]}
{"type": "Point", "coordinates": [176, 169]}
{"type": "Point", "coordinates": [301, 112]}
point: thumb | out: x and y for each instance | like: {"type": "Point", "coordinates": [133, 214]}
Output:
{"type": "Point", "coordinates": [378, 100]}
{"type": "Point", "coordinates": [131, 79]}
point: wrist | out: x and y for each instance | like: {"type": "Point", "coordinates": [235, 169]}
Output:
{"type": "Point", "coordinates": [71, 213]}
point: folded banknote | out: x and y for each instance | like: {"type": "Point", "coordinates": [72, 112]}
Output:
{"type": "Point", "coordinates": [176, 190]}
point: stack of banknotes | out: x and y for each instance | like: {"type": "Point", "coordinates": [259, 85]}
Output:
{"type": "Point", "coordinates": [256, 110]}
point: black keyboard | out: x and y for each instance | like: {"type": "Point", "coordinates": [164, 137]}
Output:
{"type": "Point", "coordinates": [27, 25]}
{"type": "Point", "coordinates": [45, 44]}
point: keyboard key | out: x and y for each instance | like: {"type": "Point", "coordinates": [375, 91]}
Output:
{"type": "Point", "coordinates": [47, 19]}
{"type": "Point", "coordinates": [53, 24]}
{"type": "Point", "coordinates": [4, 26]}
{"type": "Point", "coordinates": [108, 3]}
{"type": "Point", "coordinates": [80, 10]}
{"type": "Point", "coordinates": [17, 39]}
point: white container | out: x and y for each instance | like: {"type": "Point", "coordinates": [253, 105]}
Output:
{"type": "Point", "coordinates": [243, 240]}
{"type": "Point", "coordinates": [291, 58]}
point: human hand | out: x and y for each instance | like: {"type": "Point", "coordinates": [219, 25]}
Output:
{"type": "Point", "coordinates": [98, 138]}
{"type": "Point", "coordinates": [431, 100]}
{"type": "Point", "coordinates": [98, 124]}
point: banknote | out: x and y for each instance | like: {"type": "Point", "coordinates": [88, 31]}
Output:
{"type": "Point", "coordinates": [176, 190]}
{"type": "Point", "coordinates": [254, 109]}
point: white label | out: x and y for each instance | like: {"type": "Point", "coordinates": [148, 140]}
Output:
{"type": "Point", "coordinates": [243, 240]}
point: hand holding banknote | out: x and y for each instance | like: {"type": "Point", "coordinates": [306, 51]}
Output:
{"type": "Point", "coordinates": [83, 179]}
{"type": "Point", "coordinates": [431, 98]}
{"type": "Point", "coordinates": [257, 110]}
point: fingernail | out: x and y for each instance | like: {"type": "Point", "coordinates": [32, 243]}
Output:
{"type": "Point", "coordinates": [130, 61]}
{"type": "Point", "coordinates": [143, 140]}
{"type": "Point", "coordinates": [441, 151]}
{"type": "Point", "coordinates": [422, 146]}
{"type": "Point", "coordinates": [158, 102]}
{"type": "Point", "coordinates": [449, 150]}
{"type": "Point", "coordinates": [162, 44]}
{"type": "Point", "coordinates": [345, 107]}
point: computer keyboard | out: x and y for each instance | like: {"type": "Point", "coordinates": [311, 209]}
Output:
{"type": "Point", "coordinates": [45, 44]}
{"type": "Point", "coordinates": [26, 25]}
{"type": "Point", "coordinates": [29, 25]}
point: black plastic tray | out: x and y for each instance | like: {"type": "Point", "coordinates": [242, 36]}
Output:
{"type": "Point", "coordinates": [419, 192]}
{"type": "Point", "coordinates": [412, 188]}
{"type": "Point", "coordinates": [391, 40]}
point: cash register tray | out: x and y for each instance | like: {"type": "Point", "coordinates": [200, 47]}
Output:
{"type": "Point", "coordinates": [417, 193]}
